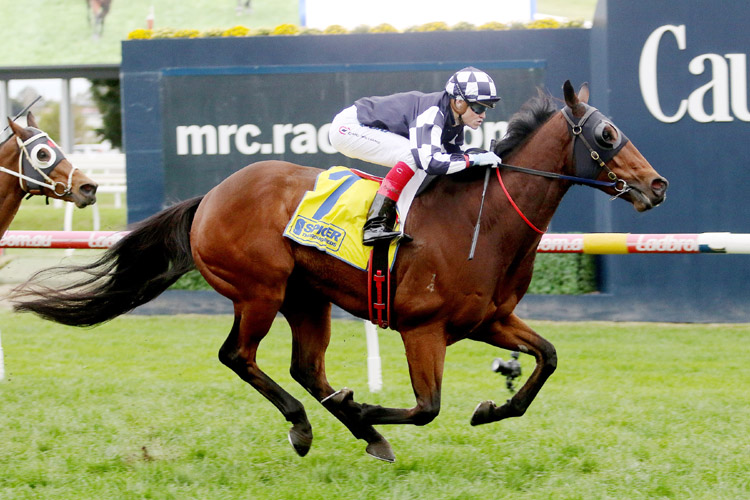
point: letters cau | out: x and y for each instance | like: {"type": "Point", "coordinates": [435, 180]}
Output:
{"type": "Point", "coordinates": [728, 83]}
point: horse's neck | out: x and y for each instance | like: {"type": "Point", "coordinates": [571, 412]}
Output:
{"type": "Point", "coordinates": [11, 196]}
{"type": "Point", "coordinates": [537, 197]}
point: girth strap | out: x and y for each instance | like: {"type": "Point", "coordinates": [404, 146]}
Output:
{"type": "Point", "coordinates": [379, 285]}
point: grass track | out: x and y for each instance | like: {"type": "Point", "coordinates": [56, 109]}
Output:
{"type": "Point", "coordinates": [61, 34]}
{"type": "Point", "coordinates": [141, 408]}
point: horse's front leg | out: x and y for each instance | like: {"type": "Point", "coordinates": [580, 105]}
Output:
{"type": "Point", "coordinates": [513, 334]}
{"type": "Point", "coordinates": [425, 354]}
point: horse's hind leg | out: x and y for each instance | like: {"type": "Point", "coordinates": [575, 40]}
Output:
{"type": "Point", "coordinates": [310, 321]}
{"type": "Point", "coordinates": [425, 352]}
{"type": "Point", "coordinates": [515, 335]}
{"type": "Point", "coordinates": [251, 324]}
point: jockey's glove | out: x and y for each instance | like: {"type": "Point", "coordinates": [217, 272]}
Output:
{"type": "Point", "coordinates": [488, 159]}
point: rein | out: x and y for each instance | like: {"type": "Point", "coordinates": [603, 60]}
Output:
{"type": "Point", "coordinates": [513, 203]}
{"type": "Point", "coordinates": [553, 175]}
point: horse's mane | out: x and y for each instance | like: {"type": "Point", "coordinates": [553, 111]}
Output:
{"type": "Point", "coordinates": [532, 115]}
{"type": "Point", "coordinates": [526, 121]}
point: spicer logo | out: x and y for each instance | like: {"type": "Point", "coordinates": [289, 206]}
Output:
{"type": "Point", "coordinates": [299, 225]}
{"type": "Point", "coordinates": [321, 234]}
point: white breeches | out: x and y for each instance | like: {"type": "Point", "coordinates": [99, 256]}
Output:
{"type": "Point", "coordinates": [376, 146]}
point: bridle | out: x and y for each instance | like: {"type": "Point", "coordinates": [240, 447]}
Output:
{"type": "Point", "coordinates": [584, 133]}
{"type": "Point", "coordinates": [38, 157]}
{"type": "Point", "coordinates": [586, 130]}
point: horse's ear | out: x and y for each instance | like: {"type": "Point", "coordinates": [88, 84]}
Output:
{"type": "Point", "coordinates": [571, 99]}
{"type": "Point", "coordinates": [583, 94]}
{"type": "Point", "coordinates": [574, 101]}
{"type": "Point", "coordinates": [31, 121]}
{"type": "Point", "coordinates": [16, 128]}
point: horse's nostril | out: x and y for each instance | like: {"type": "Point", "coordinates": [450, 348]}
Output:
{"type": "Point", "coordinates": [88, 189]}
{"type": "Point", "coordinates": [659, 185]}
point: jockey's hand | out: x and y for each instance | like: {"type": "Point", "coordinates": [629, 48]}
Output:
{"type": "Point", "coordinates": [488, 159]}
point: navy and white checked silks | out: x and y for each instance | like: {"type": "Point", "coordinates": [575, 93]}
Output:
{"type": "Point", "coordinates": [472, 84]}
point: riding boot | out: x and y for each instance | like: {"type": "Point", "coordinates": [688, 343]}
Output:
{"type": "Point", "coordinates": [380, 221]}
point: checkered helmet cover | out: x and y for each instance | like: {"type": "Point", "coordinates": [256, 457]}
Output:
{"type": "Point", "coordinates": [472, 84]}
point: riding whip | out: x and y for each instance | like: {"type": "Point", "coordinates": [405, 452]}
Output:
{"type": "Point", "coordinates": [24, 110]}
{"type": "Point", "coordinates": [481, 206]}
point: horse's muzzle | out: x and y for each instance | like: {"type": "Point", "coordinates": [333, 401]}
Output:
{"type": "Point", "coordinates": [84, 195]}
{"type": "Point", "coordinates": [647, 198]}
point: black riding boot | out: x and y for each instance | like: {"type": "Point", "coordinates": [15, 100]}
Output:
{"type": "Point", "coordinates": [380, 221]}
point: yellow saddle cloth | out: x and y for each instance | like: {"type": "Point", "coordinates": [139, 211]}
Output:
{"type": "Point", "coordinates": [331, 216]}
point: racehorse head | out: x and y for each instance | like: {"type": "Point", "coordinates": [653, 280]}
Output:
{"type": "Point", "coordinates": [602, 151]}
{"type": "Point", "coordinates": [41, 167]}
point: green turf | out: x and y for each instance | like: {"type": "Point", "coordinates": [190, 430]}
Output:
{"type": "Point", "coordinates": [142, 408]}
{"type": "Point", "coordinates": [61, 35]}
{"type": "Point", "coordinates": [36, 215]}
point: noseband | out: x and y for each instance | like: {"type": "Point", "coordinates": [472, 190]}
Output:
{"type": "Point", "coordinates": [38, 157]}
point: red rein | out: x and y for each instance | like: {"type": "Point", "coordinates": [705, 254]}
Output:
{"type": "Point", "coordinates": [513, 203]}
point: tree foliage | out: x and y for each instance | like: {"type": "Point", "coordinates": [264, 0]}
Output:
{"type": "Point", "coordinates": [106, 95]}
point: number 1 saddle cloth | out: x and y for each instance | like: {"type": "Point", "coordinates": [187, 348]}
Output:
{"type": "Point", "coordinates": [331, 216]}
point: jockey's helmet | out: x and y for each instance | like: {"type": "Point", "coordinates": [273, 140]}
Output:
{"type": "Point", "coordinates": [472, 85]}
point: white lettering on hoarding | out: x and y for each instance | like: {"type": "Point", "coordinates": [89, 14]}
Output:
{"type": "Point", "coordinates": [301, 138]}
{"type": "Point", "coordinates": [26, 241]}
{"type": "Point", "coordinates": [195, 136]}
{"type": "Point", "coordinates": [563, 244]}
{"type": "Point", "coordinates": [666, 243]}
{"type": "Point", "coordinates": [727, 87]}
{"type": "Point", "coordinates": [103, 240]}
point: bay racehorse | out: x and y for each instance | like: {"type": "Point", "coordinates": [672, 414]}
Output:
{"type": "Point", "coordinates": [32, 164]}
{"type": "Point", "coordinates": [233, 235]}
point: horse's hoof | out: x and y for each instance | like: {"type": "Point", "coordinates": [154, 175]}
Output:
{"type": "Point", "coordinates": [483, 413]}
{"type": "Point", "coordinates": [381, 450]}
{"type": "Point", "coordinates": [339, 397]}
{"type": "Point", "coordinates": [300, 437]}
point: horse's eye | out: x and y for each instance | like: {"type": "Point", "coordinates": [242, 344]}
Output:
{"type": "Point", "coordinates": [606, 135]}
{"type": "Point", "coordinates": [609, 134]}
{"type": "Point", "coordinates": [42, 156]}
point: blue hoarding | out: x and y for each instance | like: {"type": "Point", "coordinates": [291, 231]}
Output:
{"type": "Point", "coordinates": [672, 74]}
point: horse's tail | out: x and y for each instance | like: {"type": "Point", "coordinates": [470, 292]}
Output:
{"type": "Point", "coordinates": [136, 269]}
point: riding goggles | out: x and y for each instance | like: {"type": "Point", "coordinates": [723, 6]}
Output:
{"type": "Point", "coordinates": [480, 107]}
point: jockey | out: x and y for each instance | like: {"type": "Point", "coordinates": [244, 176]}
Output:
{"type": "Point", "coordinates": [413, 131]}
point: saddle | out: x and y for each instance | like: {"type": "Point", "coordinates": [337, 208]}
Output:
{"type": "Point", "coordinates": [331, 217]}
